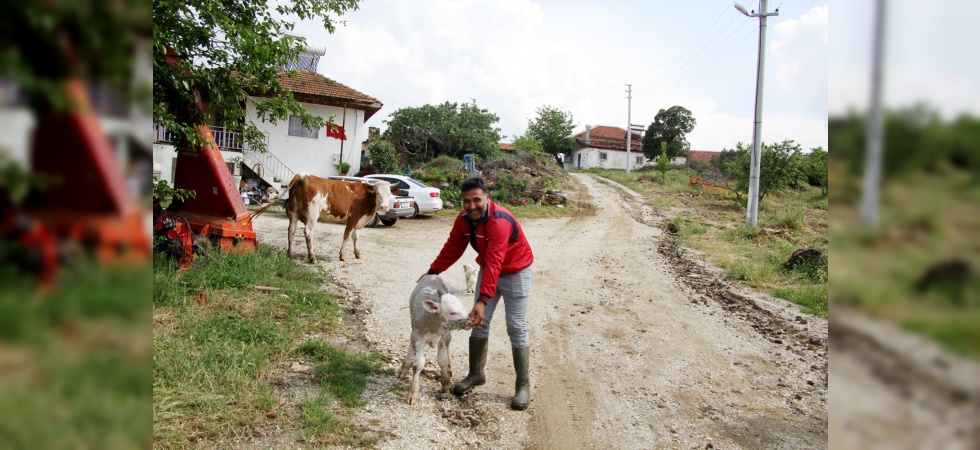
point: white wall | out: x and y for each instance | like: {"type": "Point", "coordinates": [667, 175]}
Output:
{"type": "Point", "coordinates": [316, 155]}
{"type": "Point", "coordinates": [310, 155]}
{"type": "Point", "coordinates": [615, 159]}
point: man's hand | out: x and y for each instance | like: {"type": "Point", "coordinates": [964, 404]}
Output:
{"type": "Point", "coordinates": [476, 314]}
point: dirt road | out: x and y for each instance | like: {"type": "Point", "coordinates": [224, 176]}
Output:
{"type": "Point", "coordinates": [633, 343]}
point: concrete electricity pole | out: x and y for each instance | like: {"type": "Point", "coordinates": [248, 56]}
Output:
{"type": "Point", "coordinates": [752, 213]}
{"type": "Point", "coordinates": [872, 163]}
{"type": "Point", "coordinates": [629, 124]}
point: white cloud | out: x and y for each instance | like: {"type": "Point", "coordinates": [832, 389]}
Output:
{"type": "Point", "coordinates": [715, 132]}
{"type": "Point", "coordinates": [514, 56]}
{"type": "Point", "coordinates": [951, 93]}
{"type": "Point", "coordinates": [799, 56]}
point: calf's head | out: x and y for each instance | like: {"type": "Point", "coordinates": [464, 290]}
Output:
{"type": "Point", "coordinates": [448, 306]}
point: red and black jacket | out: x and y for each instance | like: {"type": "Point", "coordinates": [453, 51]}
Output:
{"type": "Point", "coordinates": [499, 243]}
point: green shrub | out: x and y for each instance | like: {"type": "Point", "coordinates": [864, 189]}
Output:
{"type": "Point", "coordinates": [383, 156]}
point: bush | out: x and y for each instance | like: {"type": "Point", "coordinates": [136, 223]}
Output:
{"type": "Point", "coordinates": [383, 156]}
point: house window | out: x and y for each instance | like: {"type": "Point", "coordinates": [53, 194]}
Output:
{"type": "Point", "coordinates": [639, 160]}
{"type": "Point", "coordinates": [296, 128]}
{"type": "Point", "coordinates": [602, 156]}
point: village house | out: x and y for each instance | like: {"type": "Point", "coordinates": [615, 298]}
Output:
{"type": "Point", "coordinates": [290, 146]}
{"type": "Point", "coordinates": [604, 147]}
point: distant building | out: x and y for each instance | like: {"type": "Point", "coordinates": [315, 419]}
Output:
{"type": "Point", "coordinates": [604, 147]}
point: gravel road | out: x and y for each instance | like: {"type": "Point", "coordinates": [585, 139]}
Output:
{"type": "Point", "coordinates": [634, 342]}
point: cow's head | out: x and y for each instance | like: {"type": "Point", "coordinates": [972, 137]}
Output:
{"type": "Point", "coordinates": [383, 197]}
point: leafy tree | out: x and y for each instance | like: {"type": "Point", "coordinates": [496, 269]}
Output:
{"type": "Point", "coordinates": [553, 128]}
{"type": "Point", "coordinates": [669, 126]}
{"type": "Point", "coordinates": [780, 167]}
{"type": "Point", "coordinates": [224, 50]}
{"type": "Point", "coordinates": [42, 43]}
{"type": "Point", "coordinates": [447, 129]}
{"type": "Point", "coordinates": [814, 168]}
{"type": "Point", "coordinates": [663, 163]}
{"type": "Point", "coordinates": [528, 143]}
{"type": "Point", "coordinates": [383, 156]}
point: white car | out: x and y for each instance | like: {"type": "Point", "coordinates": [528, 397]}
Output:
{"type": "Point", "coordinates": [427, 199]}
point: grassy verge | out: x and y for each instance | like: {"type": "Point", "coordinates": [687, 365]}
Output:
{"type": "Point", "coordinates": [712, 220]}
{"type": "Point", "coordinates": [75, 361]}
{"type": "Point", "coordinates": [219, 342]}
{"type": "Point", "coordinates": [924, 219]}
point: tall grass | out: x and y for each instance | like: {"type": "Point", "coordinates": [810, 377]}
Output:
{"type": "Point", "coordinates": [217, 343]}
{"type": "Point", "coordinates": [76, 360]}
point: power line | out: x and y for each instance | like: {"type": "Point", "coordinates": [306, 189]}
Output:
{"type": "Point", "coordinates": [688, 51]}
{"type": "Point", "coordinates": [688, 80]}
{"type": "Point", "coordinates": [714, 48]}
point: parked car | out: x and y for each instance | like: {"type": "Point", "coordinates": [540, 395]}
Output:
{"type": "Point", "coordinates": [427, 199]}
{"type": "Point", "coordinates": [400, 205]}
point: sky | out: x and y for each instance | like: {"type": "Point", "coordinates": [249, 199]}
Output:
{"type": "Point", "coordinates": [512, 57]}
{"type": "Point", "coordinates": [929, 56]}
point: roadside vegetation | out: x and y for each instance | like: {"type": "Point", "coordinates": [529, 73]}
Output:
{"type": "Point", "coordinates": [917, 268]}
{"type": "Point", "coordinates": [712, 220]}
{"type": "Point", "coordinates": [222, 349]}
{"type": "Point", "coordinates": [75, 359]}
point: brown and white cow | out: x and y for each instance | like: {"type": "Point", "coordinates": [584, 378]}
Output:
{"type": "Point", "coordinates": [312, 198]}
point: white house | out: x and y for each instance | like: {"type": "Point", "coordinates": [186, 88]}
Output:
{"type": "Point", "coordinates": [603, 147]}
{"type": "Point", "coordinates": [291, 147]}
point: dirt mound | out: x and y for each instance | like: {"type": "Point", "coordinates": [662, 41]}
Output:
{"type": "Point", "coordinates": [525, 166]}
{"type": "Point", "coordinates": [806, 256]}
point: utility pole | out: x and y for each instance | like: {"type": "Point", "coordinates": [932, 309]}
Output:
{"type": "Point", "coordinates": [872, 164]}
{"type": "Point", "coordinates": [629, 124]}
{"type": "Point", "coordinates": [752, 213]}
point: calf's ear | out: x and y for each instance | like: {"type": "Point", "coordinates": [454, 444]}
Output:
{"type": "Point", "coordinates": [431, 305]}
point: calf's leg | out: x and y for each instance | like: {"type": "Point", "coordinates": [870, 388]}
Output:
{"type": "Point", "coordinates": [445, 362]}
{"type": "Point", "coordinates": [418, 363]}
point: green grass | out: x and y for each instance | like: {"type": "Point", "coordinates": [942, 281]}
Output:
{"type": "Point", "coordinates": [712, 220]}
{"type": "Point", "coordinates": [218, 342]}
{"type": "Point", "coordinates": [340, 374]}
{"type": "Point", "coordinates": [923, 219]}
{"type": "Point", "coordinates": [76, 360]}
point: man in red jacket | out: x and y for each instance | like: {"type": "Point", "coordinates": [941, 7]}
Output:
{"type": "Point", "coordinates": [505, 258]}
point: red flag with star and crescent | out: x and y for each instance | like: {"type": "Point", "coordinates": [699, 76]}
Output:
{"type": "Point", "coordinates": [336, 132]}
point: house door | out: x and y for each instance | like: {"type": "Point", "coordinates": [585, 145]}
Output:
{"type": "Point", "coordinates": [579, 160]}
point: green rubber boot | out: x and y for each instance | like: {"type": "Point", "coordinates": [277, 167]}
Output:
{"type": "Point", "coordinates": [522, 388]}
{"type": "Point", "coordinates": [478, 361]}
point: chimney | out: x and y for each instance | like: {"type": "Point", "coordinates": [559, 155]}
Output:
{"type": "Point", "coordinates": [588, 131]}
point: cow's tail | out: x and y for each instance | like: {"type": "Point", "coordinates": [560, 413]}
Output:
{"type": "Point", "coordinates": [261, 210]}
{"type": "Point", "coordinates": [298, 179]}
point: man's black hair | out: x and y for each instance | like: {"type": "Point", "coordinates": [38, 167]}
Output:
{"type": "Point", "coordinates": [473, 183]}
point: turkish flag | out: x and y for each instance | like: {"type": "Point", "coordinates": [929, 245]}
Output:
{"type": "Point", "coordinates": [336, 131]}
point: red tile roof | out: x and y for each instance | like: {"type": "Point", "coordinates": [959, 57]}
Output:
{"type": "Point", "coordinates": [311, 87]}
{"type": "Point", "coordinates": [506, 147]}
{"type": "Point", "coordinates": [613, 138]}
{"type": "Point", "coordinates": [700, 156]}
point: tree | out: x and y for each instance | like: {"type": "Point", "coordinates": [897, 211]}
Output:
{"type": "Point", "coordinates": [446, 129]}
{"type": "Point", "coordinates": [383, 156]}
{"type": "Point", "coordinates": [663, 163]}
{"type": "Point", "coordinates": [669, 126]}
{"type": "Point", "coordinates": [814, 168]}
{"type": "Point", "coordinates": [528, 143]}
{"type": "Point", "coordinates": [780, 167]}
{"type": "Point", "coordinates": [223, 50]}
{"type": "Point", "coordinates": [553, 128]}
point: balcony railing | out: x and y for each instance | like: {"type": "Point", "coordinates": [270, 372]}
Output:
{"type": "Point", "coordinates": [227, 139]}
